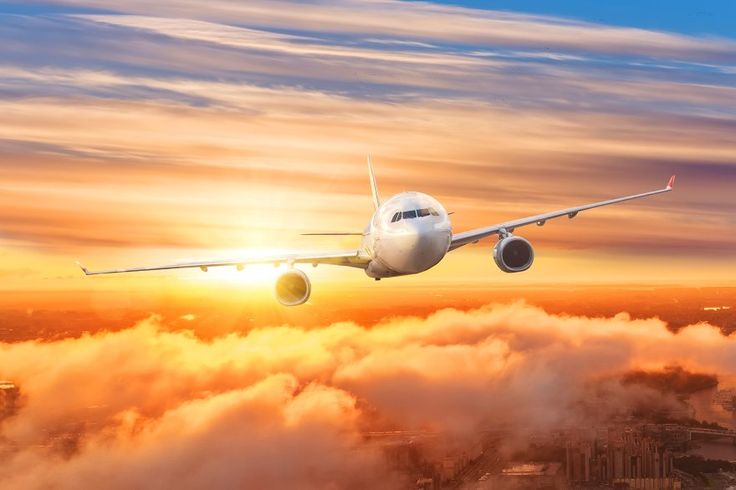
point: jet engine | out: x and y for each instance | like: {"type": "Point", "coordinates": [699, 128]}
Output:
{"type": "Point", "coordinates": [293, 288]}
{"type": "Point", "coordinates": [513, 254]}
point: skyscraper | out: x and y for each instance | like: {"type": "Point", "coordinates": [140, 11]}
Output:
{"type": "Point", "coordinates": [626, 453]}
{"type": "Point", "coordinates": [9, 396]}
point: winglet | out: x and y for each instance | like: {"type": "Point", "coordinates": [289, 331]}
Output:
{"type": "Point", "coordinates": [84, 269]}
{"type": "Point", "coordinates": [671, 183]}
{"type": "Point", "coordinates": [374, 187]}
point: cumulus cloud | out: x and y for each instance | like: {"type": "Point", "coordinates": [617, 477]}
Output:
{"type": "Point", "coordinates": [284, 406]}
{"type": "Point", "coordinates": [275, 434]}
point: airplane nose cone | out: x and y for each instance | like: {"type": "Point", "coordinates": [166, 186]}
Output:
{"type": "Point", "coordinates": [430, 249]}
{"type": "Point", "coordinates": [421, 247]}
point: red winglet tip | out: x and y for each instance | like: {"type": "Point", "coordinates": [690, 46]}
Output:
{"type": "Point", "coordinates": [671, 183]}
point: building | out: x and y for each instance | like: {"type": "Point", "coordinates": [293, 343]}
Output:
{"type": "Point", "coordinates": [624, 454]}
{"type": "Point", "coordinates": [579, 461]}
{"type": "Point", "coordinates": [648, 483]}
{"type": "Point", "coordinates": [527, 476]}
{"type": "Point", "coordinates": [726, 399]}
{"type": "Point", "coordinates": [425, 458]}
{"type": "Point", "coordinates": [630, 454]}
{"type": "Point", "coordinates": [9, 399]}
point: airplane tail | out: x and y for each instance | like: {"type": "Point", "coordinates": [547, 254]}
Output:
{"type": "Point", "coordinates": [374, 187]}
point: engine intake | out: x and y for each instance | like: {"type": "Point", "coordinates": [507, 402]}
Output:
{"type": "Point", "coordinates": [293, 288]}
{"type": "Point", "coordinates": [513, 254]}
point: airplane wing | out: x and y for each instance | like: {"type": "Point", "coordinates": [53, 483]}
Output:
{"type": "Point", "coordinates": [472, 236]}
{"type": "Point", "coordinates": [350, 258]}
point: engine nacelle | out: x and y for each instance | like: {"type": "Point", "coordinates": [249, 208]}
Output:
{"type": "Point", "coordinates": [513, 254]}
{"type": "Point", "coordinates": [293, 288]}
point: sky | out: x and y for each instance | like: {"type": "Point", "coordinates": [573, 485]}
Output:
{"type": "Point", "coordinates": [137, 133]}
{"type": "Point", "coordinates": [715, 18]}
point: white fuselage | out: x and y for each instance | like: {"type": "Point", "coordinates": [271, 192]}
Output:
{"type": "Point", "coordinates": [408, 234]}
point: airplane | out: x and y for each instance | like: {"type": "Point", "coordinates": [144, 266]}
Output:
{"type": "Point", "coordinates": [407, 234]}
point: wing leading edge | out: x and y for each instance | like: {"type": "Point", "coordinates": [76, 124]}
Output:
{"type": "Point", "coordinates": [350, 258]}
{"type": "Point", "coordinates": [471, 236]}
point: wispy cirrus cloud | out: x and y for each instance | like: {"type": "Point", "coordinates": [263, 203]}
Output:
{"type": "Point", "coordinates": [425, 20]}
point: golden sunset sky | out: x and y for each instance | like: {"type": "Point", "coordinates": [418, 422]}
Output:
{"type": "Point", "coordinates": [135, 134]}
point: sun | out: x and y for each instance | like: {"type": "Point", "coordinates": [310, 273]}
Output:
{"type": "Point", "coordinates": [246, 274]}
{"type": "Point", "coordinates": [252, 274]}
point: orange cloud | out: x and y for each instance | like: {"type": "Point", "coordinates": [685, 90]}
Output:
{"type": "Point", "coordinates": [284, 405]}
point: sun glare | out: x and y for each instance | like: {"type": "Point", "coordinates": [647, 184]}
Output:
{"type": "Point", "coordinates": [254, 274]}
{"type": "Point", "coordinates": [247, 273]}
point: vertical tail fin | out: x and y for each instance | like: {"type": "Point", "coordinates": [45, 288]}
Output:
{"type": "Point", "coordinates": [374, 187]}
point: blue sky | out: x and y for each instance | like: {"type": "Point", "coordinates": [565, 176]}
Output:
{"type": "Point", "coordinates": [716, 18]}
{"type": "Point", "coordinates": [688, 17]}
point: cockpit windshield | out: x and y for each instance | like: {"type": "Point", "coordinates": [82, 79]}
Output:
{"type": "Point", "coordinates": [414, 213]}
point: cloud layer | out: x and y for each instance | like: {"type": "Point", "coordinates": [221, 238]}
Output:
{"type": "Point", "coordinates": [146, 407]}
